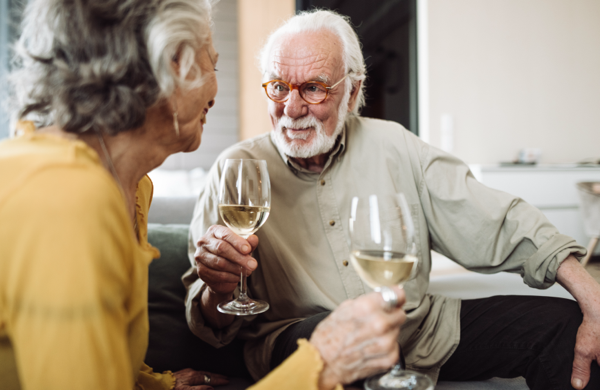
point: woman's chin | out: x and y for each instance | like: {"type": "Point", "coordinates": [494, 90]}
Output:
{"type": "Point", "coordinates": [195, 144]}
{"type": "Point", "coordinates": [192, 141]}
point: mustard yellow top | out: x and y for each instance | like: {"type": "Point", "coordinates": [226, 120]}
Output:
{"type": "Point", "coordinates": [74, 278]}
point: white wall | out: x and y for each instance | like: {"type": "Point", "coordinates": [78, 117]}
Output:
{"type": "Point", "coordinates": [221, 129]}
{"type": "Point", "coordinates": [514, 74]}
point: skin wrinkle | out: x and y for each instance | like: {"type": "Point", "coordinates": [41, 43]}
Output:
{"type": "Point", "coordinates": [322, 78]}
{"type": "Point", "coordinates": [299, 60]}
{"type": "Point", "coordinates": [305, 61]}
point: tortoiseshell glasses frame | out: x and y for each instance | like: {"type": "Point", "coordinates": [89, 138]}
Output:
{"type": "Point", "coordinates": [312, 92]}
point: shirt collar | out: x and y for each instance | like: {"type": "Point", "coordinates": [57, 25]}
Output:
{"type": "Point", "coordinates": [336, 152]}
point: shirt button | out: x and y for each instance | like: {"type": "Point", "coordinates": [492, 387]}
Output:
{"type": "Point", "coordinates": [332, 222]}
{"type": "Point", "coordinates": [322, 182]}
{"type": "Point", "coordinates": [345, 263]}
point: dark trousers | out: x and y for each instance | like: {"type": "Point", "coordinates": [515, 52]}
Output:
{"type": "Point", "coordinates": [502, 336]}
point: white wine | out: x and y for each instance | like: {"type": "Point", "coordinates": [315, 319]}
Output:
{"type": "Point", "coordinates": [244, 220]}
{"type": "Point", "coordinates": [383, 268]}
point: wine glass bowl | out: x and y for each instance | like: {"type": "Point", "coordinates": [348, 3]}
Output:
{"type": "Point", "coordinates": [383, 250]}
{"type": "Point", "coordinates": [244, 206]}
{"type": "Point", "coordinates": [384, 254]}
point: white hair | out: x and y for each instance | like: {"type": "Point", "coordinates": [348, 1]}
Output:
{"type": "Point", "coordinates": [316, 20]}
{"type": "Point", "coordinates": [99, 65]}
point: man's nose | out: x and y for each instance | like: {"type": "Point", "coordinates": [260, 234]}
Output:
{"type": "Point", "coordinates": [295, 106]}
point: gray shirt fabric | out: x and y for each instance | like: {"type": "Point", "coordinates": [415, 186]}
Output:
{"type": "Point", "coordinates": [304, 249]}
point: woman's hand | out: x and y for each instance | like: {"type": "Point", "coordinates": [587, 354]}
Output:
{"type": "Point", "coordinates": [358, 339]}
{"type": "Point", "coordinates": [188, 379]}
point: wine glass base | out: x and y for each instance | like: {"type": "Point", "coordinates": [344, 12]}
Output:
{"type": "Point", "coordinates": [246, 308]}
{"type": "Point", "coordinates": [403, 380]}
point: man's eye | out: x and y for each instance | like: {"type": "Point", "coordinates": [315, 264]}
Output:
{"type": "Point", "coordinates": [279, 88]}
{"type": "Point", "coordinates": [314, 88]}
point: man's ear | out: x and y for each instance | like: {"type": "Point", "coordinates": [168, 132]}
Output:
{"type": "Point", "coordinates": [354, 95]}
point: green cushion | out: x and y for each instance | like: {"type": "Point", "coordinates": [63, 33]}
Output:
{"type": "Point", "coordinates": [172, 346]}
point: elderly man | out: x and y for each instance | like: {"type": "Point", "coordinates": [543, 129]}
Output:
{"type": "Point", "coordinates": [320, 154]}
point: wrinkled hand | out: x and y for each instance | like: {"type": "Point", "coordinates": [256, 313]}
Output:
{"type": "Point", "coordinates": [358, 339]}
{"type": "Point", "coordinates": [219, 255]}
{"type": "Point", "coordinates": [188, 379]}
{"type": "Point", "coordinates": [587, 349]}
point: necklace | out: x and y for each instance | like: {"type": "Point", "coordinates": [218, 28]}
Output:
{"type": "Point", "coordinates": [113, 171]}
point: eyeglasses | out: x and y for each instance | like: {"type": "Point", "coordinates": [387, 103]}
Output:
{"type": "Point", "coordinates": [312, 92]}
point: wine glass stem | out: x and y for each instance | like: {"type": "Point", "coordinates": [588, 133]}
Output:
{"type": "Point", "coordinates": [400, 365]}
{"type": "Point", "coordinates": [243, 297]}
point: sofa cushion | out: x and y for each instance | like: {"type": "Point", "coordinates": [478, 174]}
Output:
{"type": "Point", "coordinates": [172, 210]}
{"type": "Point", "coordinates": [172, 346]}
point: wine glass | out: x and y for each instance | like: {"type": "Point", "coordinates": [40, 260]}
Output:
{"type": "Point", "coordinates": [244, 206]}
{"type": "Point", "coordinates": [384, 254]}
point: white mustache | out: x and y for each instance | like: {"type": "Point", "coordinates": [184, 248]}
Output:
{"type": "Point", "coordinates": [285, 122]}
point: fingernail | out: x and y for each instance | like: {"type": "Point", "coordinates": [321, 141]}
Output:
{"type": "Point", "coordinates": [245, 248]}
{"type": "Point", "coordinates": [252, 264]}
{"type": "Point", "coordinates": [578, 383]}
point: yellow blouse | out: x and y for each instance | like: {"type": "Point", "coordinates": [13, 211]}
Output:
{"type": "Point", "coordinates": [74, 278]}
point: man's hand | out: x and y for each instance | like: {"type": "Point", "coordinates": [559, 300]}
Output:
{"type": "Point", "coordinates": [358, 339]}
{"type": "Point", "coordinates": [587, 349]}
{"type": "Point", "coordinates": [572, 276]}
{"type": "Point", "coordinates": [219, 255]}
{"type": "Point", "coordinates": [188, 379]}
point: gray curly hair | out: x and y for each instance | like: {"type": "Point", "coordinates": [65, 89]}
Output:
{"type": "Point", "coordinates": [99, 64]}
{"type": "Point", "coordinates": [316, 20]}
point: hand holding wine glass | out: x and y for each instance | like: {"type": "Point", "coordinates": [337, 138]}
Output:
{"type": "Point", "coordinates": [244, 206]}
{"type": "Point", "coordinates": [384, 254]}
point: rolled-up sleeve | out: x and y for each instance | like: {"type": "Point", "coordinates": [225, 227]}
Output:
{"type": "Point", "coordinates": [215, 337]}
{"type": "Point", "coordinates": [487, 230]}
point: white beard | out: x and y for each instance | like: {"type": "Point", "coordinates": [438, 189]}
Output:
{"type": "Point", "coordinates": [290, 141]}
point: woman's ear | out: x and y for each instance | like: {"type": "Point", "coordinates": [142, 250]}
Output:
{"type": "Point", "coordinates": [175, 61]}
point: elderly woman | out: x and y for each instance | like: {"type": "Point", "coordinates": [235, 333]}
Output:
{"type": "Point", "coordinates": [105, 91]}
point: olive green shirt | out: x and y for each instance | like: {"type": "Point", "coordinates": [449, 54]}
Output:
{"type": "Point", "coordinates": [303, 251]}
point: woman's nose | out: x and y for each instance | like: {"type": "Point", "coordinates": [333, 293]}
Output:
{"type": "Point", "coordinates": [211, 103]}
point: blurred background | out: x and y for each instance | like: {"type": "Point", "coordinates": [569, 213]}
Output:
{"type": "Point", "coordinates": [492, 82]}
{"type": "Point", "coordinates": [481, 79]}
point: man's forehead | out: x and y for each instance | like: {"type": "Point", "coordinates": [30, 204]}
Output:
{"type": "Point", "coordinates": [306, 55]}
{"type": "Point", "coordinates": [299, 57]}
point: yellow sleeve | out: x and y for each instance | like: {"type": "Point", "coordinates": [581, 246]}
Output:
{"type": "Point", "coordinates": [150, 380]}
{"type": "Point", "coordinates": [300, 371]}
{"type": "Point", "coordinates": [70, 250]}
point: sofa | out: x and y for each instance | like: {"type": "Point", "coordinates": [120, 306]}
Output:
{"type": "Point", "coordinates": [172, 346]}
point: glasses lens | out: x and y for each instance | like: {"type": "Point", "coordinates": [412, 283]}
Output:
{"type": "Point", "coordinates": [278, 90]}
{"type": "Point", "coordinates": [313, 92]}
